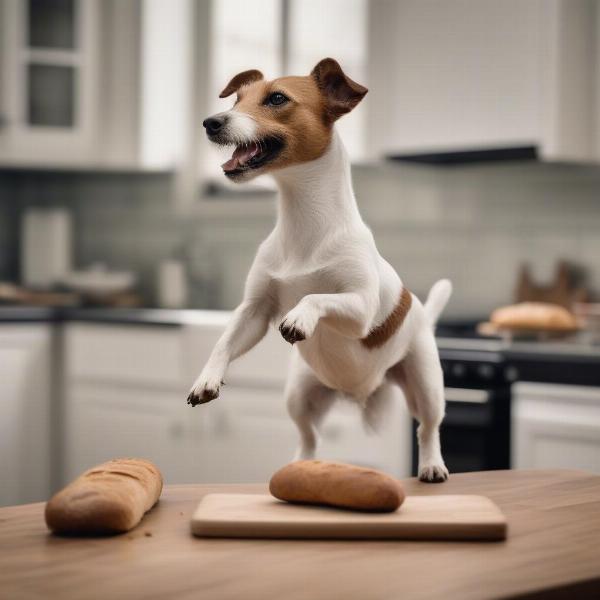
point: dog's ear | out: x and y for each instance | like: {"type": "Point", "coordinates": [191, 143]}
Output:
{"type": "Point", "coordinates": [340, 92]}
{"type": "Point", "coordinates": [243, 78]}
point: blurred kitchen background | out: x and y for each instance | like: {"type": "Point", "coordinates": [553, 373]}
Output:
{"type": "Point", "coordinates": [476, 157]}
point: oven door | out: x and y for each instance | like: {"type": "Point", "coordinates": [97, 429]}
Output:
{"type": "Point", "coordinates": [475, 433]}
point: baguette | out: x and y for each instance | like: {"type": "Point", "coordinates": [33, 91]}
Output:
{"type": "Point", "coordinates": [109, 498]}
{"type": "Point", "coordinates": [337, 484]}
{"type": "Point", "coordinates": [534, 315]}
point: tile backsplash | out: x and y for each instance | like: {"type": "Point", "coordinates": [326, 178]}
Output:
{"type": "Point", "coordinates": [472, 224]}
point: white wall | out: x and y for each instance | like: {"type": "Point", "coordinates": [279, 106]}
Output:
{"type": "Point", "coordinates": [475, 225]}
{"type": "Point", "coordinates": [472, 224]}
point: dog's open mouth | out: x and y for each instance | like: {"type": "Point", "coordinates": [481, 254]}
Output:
{"type": "Point", "coordinates": [252, 155]}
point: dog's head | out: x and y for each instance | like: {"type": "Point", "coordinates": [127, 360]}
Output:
{"type": "Point", "coordinates": [286, 121]}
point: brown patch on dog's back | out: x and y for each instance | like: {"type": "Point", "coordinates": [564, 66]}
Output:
{"type": "Point", "coordinates": [383, 332]}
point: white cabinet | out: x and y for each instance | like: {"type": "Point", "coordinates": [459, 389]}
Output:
{"type": "Point", "coordinates": [25, 413]}
{"type": "Point", "coordinates": [248, 435]}
{"type": "Point", "coordinates": [95, 84]}
{"type": "Point", "coordinates": [556, 426]}
{"type": "Point", "coordinates": [108, 421]}
{"type": "Point", "coordinates": [125, 390]}
{"type": "Point", "coordinates": [50, 77]}
{"type": "Point", "coordinates": [470, 75]}
{"type": "Point", "coordinates": [345, 439]}
{"type": "Point", "coordinates": [125, 395]}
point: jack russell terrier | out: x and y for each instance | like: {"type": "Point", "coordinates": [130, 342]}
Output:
{"type": "Point", "coordinates": [318, 276]}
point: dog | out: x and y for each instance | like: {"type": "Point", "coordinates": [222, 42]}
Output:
{"type": "Point", "coordinates": [356, 329]}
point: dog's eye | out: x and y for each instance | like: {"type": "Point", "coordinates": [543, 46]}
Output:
{"type": "Point", "coordinates": [276, 99]}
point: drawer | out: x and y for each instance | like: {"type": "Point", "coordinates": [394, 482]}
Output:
{"type": "Point", "coordinates": [144, 355]}
{"type": "Point", "coordinates": [266, 364]}
{"type": "Point", "coordinates": [240, 402]}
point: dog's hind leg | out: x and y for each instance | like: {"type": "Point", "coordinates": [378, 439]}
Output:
{"type": "Point", "coordinates": [308, 401]}
{"type": "Point", "coordinates": [378, 407]}
{"type": "Point", "coordinates": [421, 379]}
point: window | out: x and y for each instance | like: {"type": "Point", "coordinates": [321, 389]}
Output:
{"type": "Point", "coordinates": [336, 28]}
{"type": "Point", "coordinates": [287, 36]}
{"type": "Point", "coordinates": [51, 62]}
{"type": "Point", "coordinates": [245, 35]}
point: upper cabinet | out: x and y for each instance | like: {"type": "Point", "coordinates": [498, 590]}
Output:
{"type": "Point", "coordinates": [95, 83]}
{"type": "Point", "coordinates": [50, 80]}
{"type": "Point", "coordinates": [464, 75]}
{"type": "Point", "coordinates": [125, 84]}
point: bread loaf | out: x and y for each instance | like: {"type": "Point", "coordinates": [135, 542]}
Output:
{"type": "Point", "coordinates": [337, 484]}
{"type": "Point", "coordinates": [534, 315]}
{"type": "Point", "coordinates": [109, 498]}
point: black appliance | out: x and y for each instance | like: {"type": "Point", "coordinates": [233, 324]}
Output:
{"type": "Point", "coordinates": [475, 433]}
{"type": "Point", "coordinates": [457, 157]}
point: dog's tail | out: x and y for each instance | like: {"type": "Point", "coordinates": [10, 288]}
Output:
{"type": "Point", "coordinates": [437, 299]}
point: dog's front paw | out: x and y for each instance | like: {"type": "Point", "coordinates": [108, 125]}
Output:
{"type": "Point", "coordinates": [298, 325]}
{"type": "Point", "coordinates": [203, 391]}
{"type": "Point", "coordinates": [291, 333]}
{"type": "Point", "coordinates": [433, 473]}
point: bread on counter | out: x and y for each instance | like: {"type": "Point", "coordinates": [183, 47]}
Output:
{"type": "Point", "coordinates": [533, 316]}
{"type": "Point", "coordinates": [337, 484]}
{"type": "Point", "coordinates": [110, 498]}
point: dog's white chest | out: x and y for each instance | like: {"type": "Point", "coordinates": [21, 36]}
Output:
{"type": "Point", "coordinates": [291, 285]}
{"type": "Point", "coordinates": [343, 364]}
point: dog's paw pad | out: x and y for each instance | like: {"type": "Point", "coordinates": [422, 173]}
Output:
{"type": "Point", "coordinates": [291, 333]}
{"type": "Point", "coordinates": [433, 474]}
{"type": "Point", "coordinates": [202, 397]}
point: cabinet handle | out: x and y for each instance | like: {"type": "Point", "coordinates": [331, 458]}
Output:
{"type": "Point", "coordinates": [466, 395]}
{"type": "Point", "coordinates": [176, 430]}
{"type": "Point", "coordinates": [332, 432]}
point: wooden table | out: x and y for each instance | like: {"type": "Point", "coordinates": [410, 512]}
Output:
{"type": "Point", "coordinates": [553, 551]}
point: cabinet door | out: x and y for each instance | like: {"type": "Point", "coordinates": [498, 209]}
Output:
{"type": "Point", "coordinates": [50, 71]}
{"type": "Point", "coordinates": [105, 422]}
{"type": "Point", "coordinates": [556, 426]}
{"type": "Point", "coordinates": [25, 464]}
{"type": "Point", "coordinates": [447, 75]}
{"type": "Point", "coordinates": [248, 436]}
{"type": "Point", "coordinates": [344, 437]}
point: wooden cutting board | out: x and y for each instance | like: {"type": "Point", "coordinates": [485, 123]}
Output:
{"type": "Point", "coordinates": [419, 518]}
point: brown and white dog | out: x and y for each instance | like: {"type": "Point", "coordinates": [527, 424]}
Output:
{"type": "Point", "coordinates": [318, 276]}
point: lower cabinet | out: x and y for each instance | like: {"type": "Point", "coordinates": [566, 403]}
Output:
{"type": "Point", "coordinates": [105, 422]}
{"type": "Point", "coordinates": [25, 413]}
{"type": "Point", "coordinates": [556, 426]}
{"type": "Point", "coordinates": [248, 434]}
{"type": "Point", "coordinates": [125, 395]}
{"type": "Point", "coordinates": [208, 443]}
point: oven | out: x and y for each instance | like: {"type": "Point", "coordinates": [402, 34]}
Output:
{"type": "Point", "coordinates": [475, 433]}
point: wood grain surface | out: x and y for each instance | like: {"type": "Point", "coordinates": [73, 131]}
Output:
{"type": "Point", "coordinates": [447, 517]}
{"type": "Point", "coordinates": [552, 552]}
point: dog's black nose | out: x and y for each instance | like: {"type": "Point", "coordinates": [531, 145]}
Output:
{"type": "Point", "coordinates": [213, 124]}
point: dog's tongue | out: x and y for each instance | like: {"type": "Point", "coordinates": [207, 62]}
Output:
{"type": "Point", "coordinates": [241, 155]}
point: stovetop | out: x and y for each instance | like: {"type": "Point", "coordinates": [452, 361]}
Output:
{"type": "Point", "coordinates": [463, 335]}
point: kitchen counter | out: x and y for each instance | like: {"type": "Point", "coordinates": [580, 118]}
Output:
{"type": "Point", "coordinates": [26, 314]}
{"type": "Point", "coordinates": [551, 552]}
{"type": "Point", "coordinates": [126, 316]}
{"type": "Point", "coordinates": [566, 362]}
{"type": "Point", "coordinates": [549, 361]}
{"type": "Point", "coordinates": [177, 317]}
{"type": "Point", "coordinates": [516, 349]}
